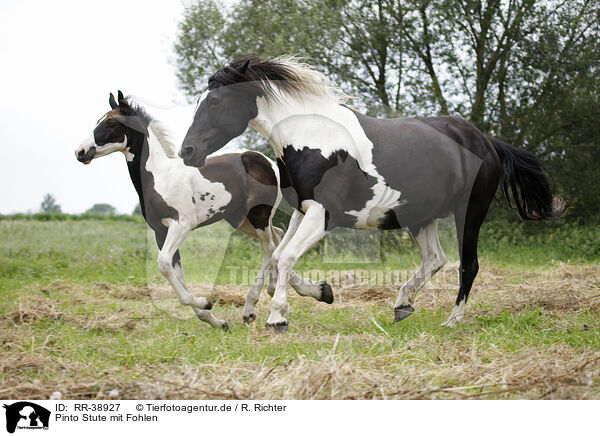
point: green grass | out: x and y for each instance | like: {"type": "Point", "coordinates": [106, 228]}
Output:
{"type": "Point", "coordinates": [75, 315]}
{"type": "Point", "coordinates": [34, 251]}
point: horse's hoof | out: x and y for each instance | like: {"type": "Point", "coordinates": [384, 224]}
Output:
{"type": "Point", "coordinates": [249, 319]}
{"type": "Point", "coordinates": [279, 327]}
{"type": "Point", "coordinates": [326, 293]}
{"type": "Point", "coordinates": [225, 326]}
{"type": "Point", "coordinates": [402, 312]}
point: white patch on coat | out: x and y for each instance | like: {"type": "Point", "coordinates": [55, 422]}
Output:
{"type": "Point", "coordinates": [321, 123]}
{"type": "Point", "coordinates": [88, 143]}
{"type": "Point", "coordinates": [106, 149]}
{"type": "Point", "coordinates": [177, 183]}
{"type": "Point", "coordinates": [111, 147]}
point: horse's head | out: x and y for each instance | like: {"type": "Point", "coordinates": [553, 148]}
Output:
{"type": "Point", "coordinates": [223, 113]}
{"type": "Point", "coordinates": [113, 132]}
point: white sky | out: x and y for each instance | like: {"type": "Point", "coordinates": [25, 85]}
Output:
{"type": "Point", "coordinates": [59, 61]}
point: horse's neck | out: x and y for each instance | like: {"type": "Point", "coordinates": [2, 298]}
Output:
{"type": "Point", "coordinates": [138, 142]}
{"type": "Point", "coordinates": [156, 152]}
{"type": "Point", "coordinates": [312, 121]}
{"type": "Point", "coordinates": [150, 156]}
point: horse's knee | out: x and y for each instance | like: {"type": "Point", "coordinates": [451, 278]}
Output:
{"type": "Point", "coordinates": [164, 264]}
{"type": "Point", "coordinates": [275, 259]}
{"type": "Point", "coordinates": [441, 260]}
{"type": "Point", "coordinates": [438, 262]}
{"type": "Point", "coordinates": [285, 262]}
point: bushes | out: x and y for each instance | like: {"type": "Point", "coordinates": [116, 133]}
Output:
{"type": "Point", "coordinates": [558, 240]}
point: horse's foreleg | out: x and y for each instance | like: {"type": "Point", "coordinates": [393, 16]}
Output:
{"type": "Point", "coordinates": [432, 260]}
{"type": "Point", "coordinates": [319, 290]}
{"type": "Point", "coordinates": [309, 231]}
{"type": "Point", "coordinates": [281, 242]}
{"type": "Point", "coordinates": [169, 265]}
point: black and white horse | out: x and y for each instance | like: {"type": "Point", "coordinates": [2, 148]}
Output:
{"type": "Point", "coordinates": [241, 188]}
{"type": "Point", "coordinates": [341, 168]}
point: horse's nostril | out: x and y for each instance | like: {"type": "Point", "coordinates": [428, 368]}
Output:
{"type": "Point", "coordinates": [187, 151]}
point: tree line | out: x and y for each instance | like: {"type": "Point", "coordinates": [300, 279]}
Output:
{"type": "Point", "coordinates": [526, 71]}
{"type": "Point", "coordinates": [49, 205]}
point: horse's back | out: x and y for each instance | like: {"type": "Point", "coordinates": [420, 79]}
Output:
{"type": "Point", "coordinates": [431, 161]}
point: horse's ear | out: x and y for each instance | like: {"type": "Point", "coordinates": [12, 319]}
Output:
{"type": "Point", "coordinates": [112, 102]}
{"type": "Point", "coordinates": [124, 106]}
{"type": "Point", "coordinates": [244, 67]}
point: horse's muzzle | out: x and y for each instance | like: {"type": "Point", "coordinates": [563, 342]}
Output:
{"type": "Point", "coordinates": [190, 157]}
{"type": "Point", "coordinates": [85, 156]}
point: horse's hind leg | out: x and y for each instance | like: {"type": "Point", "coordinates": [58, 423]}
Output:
{"type": "Point", "coordinates": [469, 218]}
{"type": "Point", "coordinates": [254, 226]}
{"type": "Point", "coordinates": [432, 260]}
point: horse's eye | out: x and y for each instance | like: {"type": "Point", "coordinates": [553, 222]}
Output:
{"type": "Point", "coordinates": [213, 101]}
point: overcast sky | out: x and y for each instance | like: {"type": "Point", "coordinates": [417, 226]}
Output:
{"type": "Point", "coordinates": [59, 61]}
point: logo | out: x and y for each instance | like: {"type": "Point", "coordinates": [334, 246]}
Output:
{"type": "Point", "coordinates": [26, 415]}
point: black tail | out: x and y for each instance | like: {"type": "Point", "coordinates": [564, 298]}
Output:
{"type": "Point", "coordinates": [524, 176]}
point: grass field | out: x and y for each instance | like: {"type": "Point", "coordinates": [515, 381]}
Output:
{"type": "Point", "coordinates": [84, 312]}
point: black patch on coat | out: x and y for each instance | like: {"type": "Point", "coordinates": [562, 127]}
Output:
{"type": "Point", "coordinates": [337, 182]}
{"type": "Point", "coordinates": [427, 161]}
{"type": "Point", "coordinates": [259, 216]}
{"type": "Point", "coordinates": [389, 221]}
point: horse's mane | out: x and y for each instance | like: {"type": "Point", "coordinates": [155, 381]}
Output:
{"type": "Point", "coordinates": [159, 130]}
{"type": "Point", "coordinates": [288, 73]}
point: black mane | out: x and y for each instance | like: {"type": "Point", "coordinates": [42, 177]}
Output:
{"type": "Point", "coordinates": [140, 112]}
{"type": "Point", "coordinates": [145, 117]}
{"type": "Point", "coordinates": [258, 75]}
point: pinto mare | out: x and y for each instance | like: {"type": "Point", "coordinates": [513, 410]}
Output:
{"type": "Point", "coordinates": [240, 188]}
{"type": "Point", "coordinates": [341, 168]}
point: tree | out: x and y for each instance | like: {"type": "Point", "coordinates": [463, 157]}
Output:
{"type": "Point", "coordinates": [49, 204]}
{"type": "Point", "coordinates": [137, 210]}
{"type": "Point", "coordinates": [102, 209]}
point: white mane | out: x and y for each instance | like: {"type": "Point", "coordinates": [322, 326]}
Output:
{"type": "Point", "coordinates": [159, 130]}
{"type": "Point", "coordinates": [310, 80]}
{"type": "Point", "coordinates": [164, 139]}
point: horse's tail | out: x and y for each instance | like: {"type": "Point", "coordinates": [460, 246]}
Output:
{"type": "Point", "coordinates": [524, 176]}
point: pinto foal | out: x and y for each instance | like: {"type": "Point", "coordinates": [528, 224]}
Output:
{"type": "Point", "coordinates": [240, 188]}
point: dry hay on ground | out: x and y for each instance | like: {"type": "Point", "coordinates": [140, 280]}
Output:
{"type": "Point", "coordinates": [39, 308]}
{"type": "Point", "coordinates": [534, 375]}
{"type": "Point", "coordinates": [567, 288]}
{"type": "Point", "coordinates": [463, 368]}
